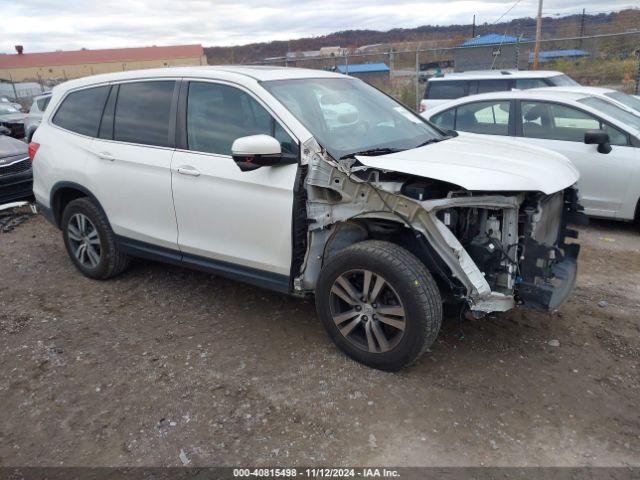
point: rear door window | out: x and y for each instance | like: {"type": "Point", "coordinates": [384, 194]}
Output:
{"type": "Point", "coordinates": [444, 90]}
{"type": "Point", "coordinates": [485, 86]}
{"type": "Point", "coordinates": [526, 83]}
{"type": "Point", "coordinates": [143, 113]}
{"type": "Point", "coordinates": [80, 111]}
{"type": "Point", "coordinates": [556, 122]}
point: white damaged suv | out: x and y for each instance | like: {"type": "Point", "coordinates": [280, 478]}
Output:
{"type": "Point", "coordinates": [236, 171]}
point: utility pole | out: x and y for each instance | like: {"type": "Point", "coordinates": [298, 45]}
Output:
{"type": "Point", "coordinates": [637, 90]}
{"type": "Point", "coordinates": [536, 50]}
{"type": "Point", "coordinates": [582, 19]}
{"type": "Point", "coordinates": [473, 28]}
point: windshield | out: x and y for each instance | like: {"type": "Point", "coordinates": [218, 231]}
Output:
{"type": "Point", "coordinates": [613, 111]}
{"type": "Point", "coordinates": [8, 109]}
{"type": "Point", "coordinates": [563, 81]}
{"type": "Point", "coordinates": [347, 116]}
{"type": "Point", "coordinates": [626, 100]}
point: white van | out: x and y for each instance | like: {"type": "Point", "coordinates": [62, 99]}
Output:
{"type": "Point", "coordinates": [245, 172]}
{"type": "Point", "coordinates": [450, 86]}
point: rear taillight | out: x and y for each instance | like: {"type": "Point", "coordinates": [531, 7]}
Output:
{"type": "Point", "coordinates": [422, 109]}
{"type": "Point", "coordinates": [33, 149]}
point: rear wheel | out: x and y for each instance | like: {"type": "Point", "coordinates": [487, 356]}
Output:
{"type": "Point", "coordinates": [90, 242]}
{"type": "Point", "coordinates": [379, 304]}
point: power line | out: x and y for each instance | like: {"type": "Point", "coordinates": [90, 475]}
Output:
{"type": "Point", "coordinates": [508, 10]}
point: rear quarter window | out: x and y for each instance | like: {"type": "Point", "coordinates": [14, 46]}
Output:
{"type": "Point", "coordinates": [80, 111]}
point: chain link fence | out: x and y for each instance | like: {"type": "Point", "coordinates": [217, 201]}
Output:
{"type": "Point", "coordinates": [608, 60]}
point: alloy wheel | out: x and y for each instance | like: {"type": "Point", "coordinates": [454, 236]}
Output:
{"type": "Point", "coordinates": [367, 311]}
{"type": "Point", "coordinates": [84, 240]}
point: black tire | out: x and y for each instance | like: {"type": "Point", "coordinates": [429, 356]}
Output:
{"type": "Point", "coordinates": [408, 279]}
{"type": "Point", "coordinates": [111, 260]}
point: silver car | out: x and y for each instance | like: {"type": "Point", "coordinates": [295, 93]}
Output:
{"type": "Point", "coordinates": [34, 117]}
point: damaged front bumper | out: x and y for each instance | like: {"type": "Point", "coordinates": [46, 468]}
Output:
{"type": "Point", "coordinates": [548, 266]}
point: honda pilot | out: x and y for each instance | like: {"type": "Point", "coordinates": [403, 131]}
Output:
{"type": "Point", "coordinates": [253, 173]}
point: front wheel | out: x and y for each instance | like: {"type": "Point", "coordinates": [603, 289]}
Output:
{"type": "Point", "coordinates": [379, 304]}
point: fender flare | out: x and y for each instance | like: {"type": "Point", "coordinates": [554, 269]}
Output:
{"type": "Point", "coordinates": [54, 203]}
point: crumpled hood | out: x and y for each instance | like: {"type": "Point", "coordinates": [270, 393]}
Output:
{"type": "Point", "coordinates": [475, 162]}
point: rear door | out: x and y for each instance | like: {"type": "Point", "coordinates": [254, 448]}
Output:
{"type": "Point", "coordinates": [131, 161]}
{"type": "Point", "coordinates": [226, 215]}
{"type": "Point", "coordinates": [604, 178]}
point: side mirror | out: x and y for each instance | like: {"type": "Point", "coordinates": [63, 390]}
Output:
{"type": "Point", "coordinates": [598, 137]}
{"type": "Point", "coordinates": [256, 151]}
{"type": "Point", "coordinates": [4, 131]}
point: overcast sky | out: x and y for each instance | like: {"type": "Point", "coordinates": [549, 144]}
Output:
{"type": "Point", "coordinates": [45, 25]}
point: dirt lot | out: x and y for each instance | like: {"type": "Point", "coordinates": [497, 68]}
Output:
{"type": "Point", "coordinates": [163, 366]}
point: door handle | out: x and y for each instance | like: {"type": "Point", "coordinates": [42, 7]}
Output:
{"type": "Point", "coordinates": [106, 156]}
{"type": "Point", "coordinates": [190, 171]}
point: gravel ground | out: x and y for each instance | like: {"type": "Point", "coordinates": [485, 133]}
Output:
{"type": "Point", "coordinates": [163, 366]}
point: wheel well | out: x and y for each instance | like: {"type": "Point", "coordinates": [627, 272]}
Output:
{"type": "Point", "coordinates": [61, 198]}
{"type": "Point", "coordinates": [401, 235]}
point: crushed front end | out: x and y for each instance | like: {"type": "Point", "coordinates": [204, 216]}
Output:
{"type": "Point", "coordinates": [489, 250]}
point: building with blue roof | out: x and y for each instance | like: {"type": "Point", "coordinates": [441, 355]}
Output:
{"type": "Point", "coordinates": [492, 39]}
{"type": "Point", "coordinates": [492, 51]}
{"type": "Point", "coordinates": [549, 55]}
{"type": "Point", "coordinates": [370, 72]}
{"type": "Point", "coordinates": [363, 68]}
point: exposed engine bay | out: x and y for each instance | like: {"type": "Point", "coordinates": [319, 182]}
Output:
{"type": "Point", "coordinates": [492, 250]}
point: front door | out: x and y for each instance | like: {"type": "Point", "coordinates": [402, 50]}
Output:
{"type": "Point", "coordinates": [224, 214]}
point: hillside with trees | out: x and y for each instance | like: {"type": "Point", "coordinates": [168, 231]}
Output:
{"type": "Point", "coordinates": [431, 36]}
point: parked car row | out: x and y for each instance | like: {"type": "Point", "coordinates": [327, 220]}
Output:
{"type": "Point", "coordinates": [17, 124]}
{"type": "Point", "coordinates": [16, 175]}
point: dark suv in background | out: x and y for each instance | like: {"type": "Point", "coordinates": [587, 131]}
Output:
{"type": "Point", "coordinates": [16, 178]}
